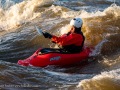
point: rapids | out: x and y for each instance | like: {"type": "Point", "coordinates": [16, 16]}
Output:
{"type": "Point", "coordinates": [19, 39]}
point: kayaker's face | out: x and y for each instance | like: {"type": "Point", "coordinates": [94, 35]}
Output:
{"type": "Point", "coordinates": [72, 30]}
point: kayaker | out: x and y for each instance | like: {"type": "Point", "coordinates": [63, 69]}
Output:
{"type": "Point", "coordinates": [73, 41]}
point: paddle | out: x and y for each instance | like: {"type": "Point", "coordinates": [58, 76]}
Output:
{"type": "Point", "coordinates": [45, 34]}
{"type": "Point", "coordinates": [39, 30]}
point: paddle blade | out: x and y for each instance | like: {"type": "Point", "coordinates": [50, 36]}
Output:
{"type": "Point", "coordinates": [39, 30]}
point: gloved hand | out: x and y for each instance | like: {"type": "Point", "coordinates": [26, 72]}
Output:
{"type": "Point", "coordinates": [47, 35]}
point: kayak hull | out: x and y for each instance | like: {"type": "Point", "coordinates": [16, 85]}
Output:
{"type": "Point", "coordinates": [42, 60]}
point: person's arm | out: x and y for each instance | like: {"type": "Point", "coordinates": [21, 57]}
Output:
{"type": "Point", "coordinates": [66, 40]}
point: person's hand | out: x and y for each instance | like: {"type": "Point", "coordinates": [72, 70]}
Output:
{"type": "Point", "coordinates": [53, 42]}
{"type": "Point", "coordinates": [47, 35]}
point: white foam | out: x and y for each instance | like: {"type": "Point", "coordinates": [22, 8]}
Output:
{"type": "Point", "coordinates": [20, 13]}
{"type": "Point", "coordinates": [113, 9]}
{"type": "Point", "coordinates": [64, 30]}
{"type": "Point", "coordinates": [104, 81]}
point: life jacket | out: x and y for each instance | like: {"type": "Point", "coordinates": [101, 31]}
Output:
{"type": "Point", "coordinates": [71, 43]}
{"type": "Point", "coordinates": [74, 48]}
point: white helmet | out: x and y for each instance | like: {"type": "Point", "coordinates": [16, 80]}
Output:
{"type": "Point", "coordinates": [77, 22]}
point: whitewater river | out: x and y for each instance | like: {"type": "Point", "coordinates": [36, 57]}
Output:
{"type": "Point", "coordinates": [19, 40]}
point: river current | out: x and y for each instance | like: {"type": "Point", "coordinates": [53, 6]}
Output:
{"type": "Point", "coordinates": [19, 40]}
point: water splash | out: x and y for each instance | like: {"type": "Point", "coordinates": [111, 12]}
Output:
{"type": "Point", "coordinates": [105, 81]}
{"type": "Point", "coordinates": [20, 13]}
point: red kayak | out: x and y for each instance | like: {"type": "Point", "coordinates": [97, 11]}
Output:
{"type": "Point", "coordinates": [54, 58]}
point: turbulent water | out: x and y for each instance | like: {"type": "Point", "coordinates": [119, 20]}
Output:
{"type": "Point", "coordinates": [19, 39]}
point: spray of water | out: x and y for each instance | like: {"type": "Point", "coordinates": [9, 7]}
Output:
{"type": "Point", "coordinates": [20, 13]}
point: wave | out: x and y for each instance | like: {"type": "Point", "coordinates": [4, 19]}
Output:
{"type": "Point", "coordinates": [20, 13]}
{"type": "Point", "coordinates": [101, 28]}
{"type": "Point", "coordinates": [105, 81]}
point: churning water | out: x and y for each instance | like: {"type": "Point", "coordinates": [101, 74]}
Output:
{"type": "Point", "coordinates": [19, 39]}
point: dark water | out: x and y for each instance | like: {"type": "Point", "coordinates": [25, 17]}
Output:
{"type": "Point", "coordinates": [19, 39]}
